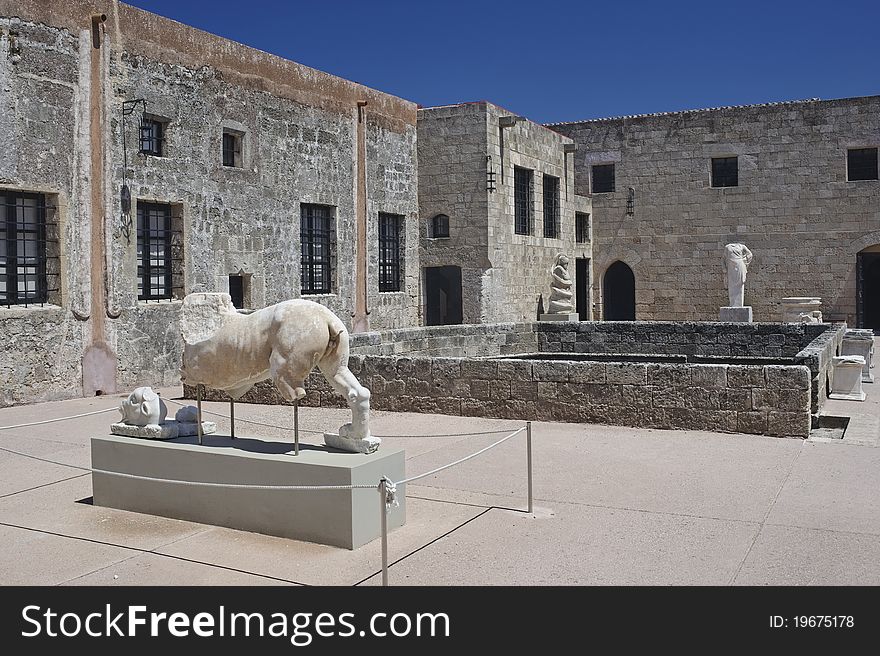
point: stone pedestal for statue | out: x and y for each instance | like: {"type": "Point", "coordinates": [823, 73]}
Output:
{"type": "Point", "coordinates": [846, 377]}
{"type": "Point", "coordinates": [343, 518]}
{"type": "Point", "coordinates": [736, 314]}
{"type": "Point", "coordinates": [860, 342]}
{"type": "Point", "coordinates": [802, 309]}
{"type": "Point", "coordinates": [560, 316]}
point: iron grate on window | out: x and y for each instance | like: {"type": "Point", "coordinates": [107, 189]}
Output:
{"type": "Point", "coordinates": [551, 206]}
{"type": "Point", "coordinates": [155, 252]}
{"type": "Point", "coordinates": [523, 200]}
{"type": "Point", "coordinates": [152, 137]}
{"type": "Point", "coordinates": [603, 178]}
{"type": "Point", "coordinates": [316, 238]}
{"type": "Point", "coordinates": [861, 164]}
{"type": "Point", "coordinates": [231, 149]}
{"type": "Point", "coordinates": [389, 252]}
{"type": "Point", "coordinates": [440, 226]}
{"type": "Point", "coordinates": [725, 172]}
{"type": "Point", "coordinates": [582, 227]}
{"type": "Point", "coordinates": [25, 241]}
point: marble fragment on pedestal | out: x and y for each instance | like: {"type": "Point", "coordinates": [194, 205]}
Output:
{"type": "Point", "coordinates": [846, 377]}
{"type": "Point", "coordinates": [860, 342]}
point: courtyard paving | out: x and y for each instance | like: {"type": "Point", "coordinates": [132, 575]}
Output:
{"type": "Point", "coordinates": [613, 506]}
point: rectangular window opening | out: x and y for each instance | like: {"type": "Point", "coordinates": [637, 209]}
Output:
{"type": "Point", "coordinates": [318, 244]}
{"type": "Point", "coordinates": [29, 262]}
{"type": "Point", "coordinates": [152, 140]}
{"type": "Point", "coordinates": [232, 148]}
{"type": "Point", "coordinates": [390, 263]}
{"type": "Point", "coordinates": [159, 252]}
{"type": "Point", "coordinates": [725, 172]}
{"type": "Point", "coordinates": [582, 227]}
{"type": "Point", "coordinates": [551, 207]}
{"type": "Point", "coordinates": [603, 178]}
{"type": "Point", "coordinates": [861, 164]}
{"type": "Point", "coordinates": [523, 200]}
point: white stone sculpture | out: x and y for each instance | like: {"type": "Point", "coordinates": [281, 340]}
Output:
{"type": "Point", "coordinates": [860, 341]}
{"type": "Point", "coordinates": [144, 414]}
{"type": "Point", "coordinates": [810, 317]}
{"type": "Point", "coordinates": [737, 258]}
{"type": "Point", "coordinates": [560, 307]}
{"type": "Point", "coordinates": [802, 309]}
{"type": "Point", "coordinates": [230, 351]}
{"type": "Point", "coordinates": [846, 377]}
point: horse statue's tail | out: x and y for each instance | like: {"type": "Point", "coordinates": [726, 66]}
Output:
{"type": "Point", "coordinates": [337, 344]}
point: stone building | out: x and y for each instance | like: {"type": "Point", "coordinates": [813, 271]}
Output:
{"type": "Point", "coordinates": [141, 159]}
{"type": "Point", "coordinates": [796, 182]}
{"type": "Point", "coordinates": [497, 200]}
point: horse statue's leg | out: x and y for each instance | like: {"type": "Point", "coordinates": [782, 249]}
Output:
{"type": "Point", "coordinates": [289, 375]}
{"type": "Point", "coordinates": [358, 397]}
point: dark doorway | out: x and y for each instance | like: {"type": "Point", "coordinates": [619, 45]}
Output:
{"type": "Point", "coordinates": [582, 293]}
{"type": "Point", "coordinates": [442, 295]}
{"type": "Point", "coordinates": [619, 293]}
{"type": "Point", "coordinates": [868, 290]}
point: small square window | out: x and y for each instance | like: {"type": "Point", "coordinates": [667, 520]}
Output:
{"type": "Point", "coordinates": [861, 164]}
{"type": "Point", "coordinates": [152, 140]}
{"type": "Point", "coordinates": [440, 226]}
{"type": "Point", "coordinates": [603, 178]}
{"type": "Point", "coordinates": [725, 172]}
{"type": "Point", "coordinates": [232, 148]}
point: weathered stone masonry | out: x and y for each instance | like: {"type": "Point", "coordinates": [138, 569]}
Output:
{"type": "Point", "coordinates": [298, 146]}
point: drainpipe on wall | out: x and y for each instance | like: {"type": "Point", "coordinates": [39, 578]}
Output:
{"type": "Point", "coordinates": [99, 359]}
{"type": "Point", "coordinates": [360, 318]}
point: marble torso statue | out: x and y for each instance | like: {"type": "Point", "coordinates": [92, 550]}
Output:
{"type": "Point", "coordinates": [737, 258]}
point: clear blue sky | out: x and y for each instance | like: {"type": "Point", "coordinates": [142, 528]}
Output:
{"type": "Point", "coordinates": [566, 60]}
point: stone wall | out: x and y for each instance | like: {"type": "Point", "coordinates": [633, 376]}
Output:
{"type": "Point", "coordinates": [503, 274]}
{"type": "Point", "coordinates": [762, 400]}
{"type": "Point", "coordinates": [299, 145]}
{"type": "Point", "coordinates": [793, 207]}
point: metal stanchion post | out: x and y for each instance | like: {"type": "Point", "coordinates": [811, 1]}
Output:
{"type": "Point", "coordinates": [199, 403]}
{"type": "Point", "coordinates": [232, 418]}
{"type": "Point", "coordinates": [529, 459]}
{"type": "Point", "coordinates": [296, 428]}
{"type": "Point", "coordinates": [383, 515]}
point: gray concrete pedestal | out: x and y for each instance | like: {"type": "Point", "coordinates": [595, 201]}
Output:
{"type": "Point", "coordinates": [342, 518]}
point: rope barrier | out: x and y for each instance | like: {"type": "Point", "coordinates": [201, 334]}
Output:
{"type": "Point", "coordinates": [306, 430]}
{"type": "Point", "coordinates": [49, 421]}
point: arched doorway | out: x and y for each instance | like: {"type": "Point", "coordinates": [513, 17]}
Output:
{"type": "Point", "coordinates": [619, 293]}
{"type": "Point", "coordinates": [868, 287]}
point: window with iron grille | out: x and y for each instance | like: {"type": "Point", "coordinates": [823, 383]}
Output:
{"type": "Point", "coordinates": [154, 251]}
{"type": "Point", "coordinates": [28, 273]}
{"type": "Point", "coordinates": [232, 148]}
{"type": "Point", "coordinates": [551, 206]}
{"type": "Point", "coordinates": [725, 172]}
{"type": "Point", "coordinates": [317, 243]}
{"type": "Point", "coordinates": [861, 164]}
{"type": "Point", "coordinates": [603, 178]}
{"type": "Point", "coordinates": [152, 137]}
{"type": "Point", "coordinates": [523, 200]}
{"type": "Point", "coordinates": [390, 265]}
{"type": "Point", "coordinates": [582, 227]}
{"type": "Point", "coordinates": [440, 226]}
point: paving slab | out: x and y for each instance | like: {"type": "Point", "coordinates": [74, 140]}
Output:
{"type": "Point", "coordinates": [153, 569]}
{"type": "Point", "coordinates": [580, 545]}
{"type": "Point", "coordinates": [798, 556]}
{"type": "Point", "coordinates": [316, 564]}
{"type": "Point", "coordinates": [702, 474]}
{"type": "Point", "coordinates": [54, 509]}
{"type": "Point", "coordinates": [35, 558]}
{"type": "Point", "coordinates": [835, 487]}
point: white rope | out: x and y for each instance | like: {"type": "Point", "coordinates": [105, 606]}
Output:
{"type": "Point", "coordinates": [249, 486]}
{"type": "Point", "coordinates": [306, 430]}
{"type": "Point", "coordinates": [458, 462]}
{"type": "Point", "coordinates": [49, 421]}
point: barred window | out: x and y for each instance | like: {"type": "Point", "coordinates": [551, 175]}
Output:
{"type": "Point", "coordinates": [523, 200]}
{"type": "Point", "coordinates": [25, 235]}
{"type": "Point", "coordinates": [603, 178]}
{"type": "Point", "coordinates": [440, 226]}
{"type": "Point", "coordinates": [725, 172]}
{"type": "Point", "coordinates": [861, 164]}
{"type": "Point", "coordinates": [154, 251]}
{"type": "Point", "coordinates": [551, 206]}
{"type": "Point", "coordinates": [582, 227]}
{"type": "Point", "coordinates": [390, 268]}
{"type": "Point", "coordinates": [232, 148]}
{"type": "Point", "coordinates": [317, 240]}
{"type": "Point", "coordinates": [152, 137]}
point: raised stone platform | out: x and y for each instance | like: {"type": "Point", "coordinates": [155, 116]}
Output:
{"type": "Point", "coordinates": [560, 316]}
{"type": "Point", "coordinates": [342, 518]}
{"type": "Point", "coordinates": [736, 314]}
